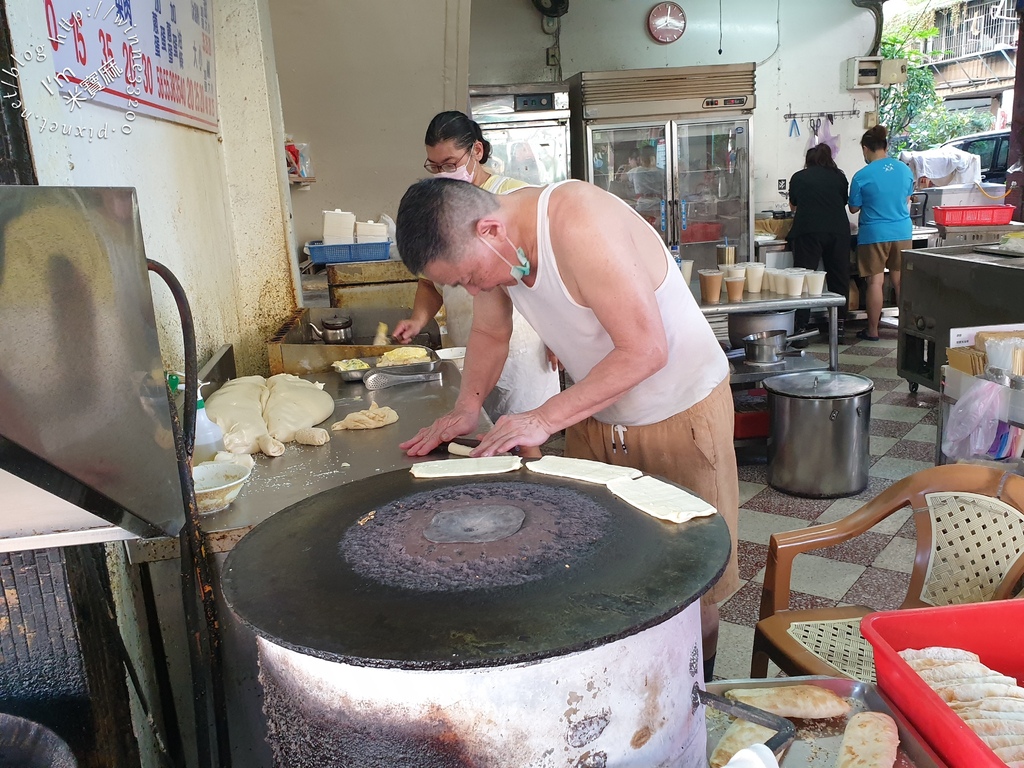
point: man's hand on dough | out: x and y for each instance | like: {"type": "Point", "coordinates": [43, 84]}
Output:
{"type": "Point", "coordinates": [521, 429]}
{"type": "Point", "coordinates": [448, 427]}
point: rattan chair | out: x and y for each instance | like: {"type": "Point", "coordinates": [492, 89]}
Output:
{"type": "Point", "coordinates": [970, 540]}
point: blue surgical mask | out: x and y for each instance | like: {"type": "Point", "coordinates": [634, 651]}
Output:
{"type": "Point", "coordinates": [517, 272]}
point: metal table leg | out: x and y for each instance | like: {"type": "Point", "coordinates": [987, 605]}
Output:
{"type": "Point", "coordinates": [833, 338]}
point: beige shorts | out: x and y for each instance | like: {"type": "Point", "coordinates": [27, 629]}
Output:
{"type": "Point", "coordinates": [693, 448]}
{"type": "Point", "coordinates": [875, 258]}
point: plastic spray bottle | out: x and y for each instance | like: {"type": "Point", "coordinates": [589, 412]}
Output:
{"type": "Point", "coordinates": [209, 437]}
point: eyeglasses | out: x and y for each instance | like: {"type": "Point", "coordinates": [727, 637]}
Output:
{"type": "Point", "coordinates": [446, 167]}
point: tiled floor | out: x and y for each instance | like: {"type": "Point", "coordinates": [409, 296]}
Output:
{"type": "Point", "coordinates": [874, 568]}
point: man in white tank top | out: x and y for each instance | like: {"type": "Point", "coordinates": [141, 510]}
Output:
{"type": "Point", "coordinates": [601, 289]}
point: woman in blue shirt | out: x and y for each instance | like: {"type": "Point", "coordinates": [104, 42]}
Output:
{"type": "Point", "coordinates": [881, 192]}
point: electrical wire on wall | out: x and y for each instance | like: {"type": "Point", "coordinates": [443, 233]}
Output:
{"type": "Point", "coordinates": [778, 33]}
{"type": "Point", "coordinates": [720, 27]}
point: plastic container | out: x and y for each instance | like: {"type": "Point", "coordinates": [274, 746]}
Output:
{"type": "Point", "coordinates": [346, 252]}
{"type": "Point", "coordinates": [991, 630]}
{"type": "Point", "coordinates": [973, 215]}
{"type": "Point", "coordinates": [209, 437]}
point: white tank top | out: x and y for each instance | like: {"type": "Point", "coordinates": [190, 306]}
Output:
{"type": "Point", "coordinates": [696, 362]}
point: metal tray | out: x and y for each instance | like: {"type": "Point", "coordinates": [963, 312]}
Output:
{"type": "Point", "coordinates": [818, 741]}
{"type": "Point", "coordinates": [996, 250]}
{"type": "Point", "coordinates": [426, 367]}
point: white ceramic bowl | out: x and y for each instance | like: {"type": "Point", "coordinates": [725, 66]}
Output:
{"type": "Point", "coordinates": [456, 354]}
{"type": "Point", "coordinates": [217, 484]}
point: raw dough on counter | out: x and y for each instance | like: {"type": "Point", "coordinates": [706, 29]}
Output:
{"type": "Point", "coordinates": [740, 735]}
{"type": "Point", "coordinates": [237, 408]}
{"type": "Point", "coordinates": [870, 740]}
{"type": "Point", "coordinates": [294, 404]}
{"type": "Point", "coordinates": [808, 702]}
{"type": "Point", "coordinates": [582, 469]}
{"type": "Point", "coordinates": [458, 449]}
{"type": "Point", "coordinates": [258, 414]}
{"type": "Point", "coordinates": [373, 417]}
{"type": "Point", "coordinates": [488, 465]}
{"type": "Point", "coordinates": [660, 499]}
{"type": "Point", "coordinates": [312, 436]}
{"type": "Point", "coordinates": [241, 459]}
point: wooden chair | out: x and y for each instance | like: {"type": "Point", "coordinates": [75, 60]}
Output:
{"type": "Point", "coordinates": [970, 540]}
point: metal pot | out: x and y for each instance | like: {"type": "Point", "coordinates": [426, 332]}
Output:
{"type": "Point", "coordinates": [337, 330]}
{"type": "Point", "coordinates": [745, 323]}
{"type": "Point", "coordinates": [765, 346]}
{"type": "Point", "coordinates": [818, 445]}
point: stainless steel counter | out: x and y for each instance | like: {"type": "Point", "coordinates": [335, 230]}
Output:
{"type": "Point", "coordinates": [303, 471]}
{"type": "Point", "coordinates": [766, 301]}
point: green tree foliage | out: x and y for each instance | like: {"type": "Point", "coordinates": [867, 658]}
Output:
{"type": "Point", "coordinates": [912, 111]}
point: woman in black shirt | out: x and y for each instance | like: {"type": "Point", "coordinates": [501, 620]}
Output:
{"type": "Point", "coordinates": [821, 230]}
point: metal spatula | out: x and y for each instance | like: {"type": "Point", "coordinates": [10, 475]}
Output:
{"type": "Point", "coordinates": [380, 380]}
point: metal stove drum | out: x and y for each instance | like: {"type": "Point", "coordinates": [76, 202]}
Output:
{"type": "Point", "coordinates": [508, 620]}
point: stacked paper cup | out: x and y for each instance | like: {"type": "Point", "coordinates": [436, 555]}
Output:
{"type": "Point", "coordinates": [339, 227]}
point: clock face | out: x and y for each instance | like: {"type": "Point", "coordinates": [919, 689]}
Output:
{"type": "Point", "coordinates": [666, 22]}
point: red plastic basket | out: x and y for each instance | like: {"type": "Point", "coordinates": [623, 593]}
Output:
{"type": "Point", "coordinates": [991, 630]}
{"type": "Point", "coordinates": [973, 215]}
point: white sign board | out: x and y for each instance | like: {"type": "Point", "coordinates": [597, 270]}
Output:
{"type": "Point", "coordinates": [148, 57]}
{"type": "Point", "coordinates": [964, 337]}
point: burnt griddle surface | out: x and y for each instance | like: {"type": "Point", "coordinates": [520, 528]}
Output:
{"type": "Point", "coordinates": [297, 580]}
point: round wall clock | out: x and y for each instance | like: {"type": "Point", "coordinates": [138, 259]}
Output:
{"type": "Point", "coordinates": [666, 22]}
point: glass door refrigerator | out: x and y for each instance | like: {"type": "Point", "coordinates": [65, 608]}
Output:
{"type": "Point", "coordinates": [675, 145]}
{"type": "Point", "coordinates": [528, 128]}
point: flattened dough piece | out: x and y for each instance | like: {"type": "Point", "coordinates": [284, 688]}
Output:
{"type": "Point", "coordinates": [808, 702]}
{"type": "Point", "coordinates": [996, 726]}
{"type": "Point", "coordinates": [869, 741]}
{"type": "Point", "coordinates": [1006, 754]}
{"type": "Point", "coordinates": [659, 499]}
{"type": "Point", "coordinates": [582, 469]}
{"type": "Point", "coordinates": [938, 652]}
{"type": "Point", "coordinates": [373, 417]}
{"type": "Point", "coordinates": [740, 735]}
{"type": "Point", "coordinates": [487, 465]}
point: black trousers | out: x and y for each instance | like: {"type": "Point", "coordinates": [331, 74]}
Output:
{"type": "Point", "coordinates": [833, 250]}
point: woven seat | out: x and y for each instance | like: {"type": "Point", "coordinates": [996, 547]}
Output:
{"type": "Point", "coordinates": [970, 548]}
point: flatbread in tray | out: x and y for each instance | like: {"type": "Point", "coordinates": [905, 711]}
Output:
{"type": "Point", "coordinates": [807, 702]}
{"type": "Point", "coordinates": [871, 740]}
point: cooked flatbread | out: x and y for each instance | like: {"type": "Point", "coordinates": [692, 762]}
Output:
{"type": "Point", "coordinates": [991, 704]}
{"type": "Point", "coordinates": [1015, 764]}
{"type": "Point", "coordinates": [581, 469]}
{"type": "Point", "coordinates": [995, 742]}
{"type": "Point", "coordinates": [996, 726]}
{"type": "Point", "coordinates": [992, 677]}
{"type": "Point", "coordinates": [488, 465]}
{"type": "Point", "coordinates": [986, 714]}
{"type": "Point", "coordinates": [808, 702]}
{"type": "Point", "coordinates": [919, 664]}
{"type": "Point", "coordinates": [660, 499]}
{"type": "Point", "coordinates": [961, 670]}
{"type": "Point", "coordinates": [373, 417]}
{"type": "Point", "coordinates": [740, 735]}
{"type": "Point", "coordinates": [938, 652]}
{"type": "Point", "coordinates": [870, 741]}
{"type": "Point", "coordinates": [972, 691]}
{"type": "Point", "coordinates": [1006, 754]}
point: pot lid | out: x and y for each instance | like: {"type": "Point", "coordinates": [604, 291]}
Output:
{"type": "Point", "coordinates": [819, 384]}
{"type": "Point", "coordinates": [369, 573]}
{"type": "Point", "coordinates": [337, 323]}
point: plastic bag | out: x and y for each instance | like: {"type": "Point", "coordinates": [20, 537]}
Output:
{"type": "Point", "coordinates": [821, 133]}
{"type": "Point", "coordinates": [974, 421]}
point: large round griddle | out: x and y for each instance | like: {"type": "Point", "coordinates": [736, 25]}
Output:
{"type": "Point", "coordinates": [289, 581]}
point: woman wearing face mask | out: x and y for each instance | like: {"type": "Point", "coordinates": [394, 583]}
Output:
{"type": "Point", "coordinates": [456, 149]}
